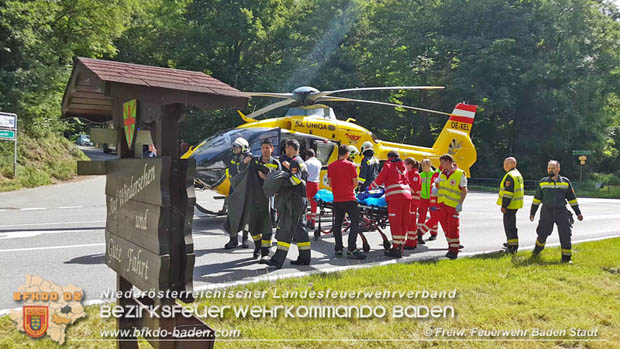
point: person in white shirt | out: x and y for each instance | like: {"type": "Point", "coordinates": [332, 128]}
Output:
{"type": "Point", "coordinates": [312, 184]}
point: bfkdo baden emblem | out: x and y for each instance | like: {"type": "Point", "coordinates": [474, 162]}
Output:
{"type": "Point", "coordinates": [35, 320]}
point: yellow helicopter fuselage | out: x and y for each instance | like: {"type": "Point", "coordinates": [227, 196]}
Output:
{"type": "Point", "coordinates": [454, 139]}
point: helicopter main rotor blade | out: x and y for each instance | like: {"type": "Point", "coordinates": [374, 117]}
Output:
{"type": "Point", "coordinates": [271, 107]}
{"type": "Point", "coordinates": [316, 96]}
{"type": "Point", "coordinates": [344, 99]}
{"type": "Point", "coordinates": [270, 94]}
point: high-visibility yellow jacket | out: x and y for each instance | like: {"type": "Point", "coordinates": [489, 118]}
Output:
{"type": "Point", "coordinates": [511, 190]}
{"type": "Point", "coordinates": [449, 192]}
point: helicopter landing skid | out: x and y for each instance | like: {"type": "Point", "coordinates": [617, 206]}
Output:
{"type": "Point", "coordinates": [220, 213]}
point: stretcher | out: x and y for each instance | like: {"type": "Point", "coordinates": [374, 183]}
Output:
{"type": "Point", "coordinates": [373, 216]}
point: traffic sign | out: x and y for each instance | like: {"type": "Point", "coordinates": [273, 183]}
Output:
{"type": "Point", "coordinates": [582, 152]}
{"type": "Point", "coordinates": [7, 120]}
{"type": "Point", "coordinates": [7, 135]}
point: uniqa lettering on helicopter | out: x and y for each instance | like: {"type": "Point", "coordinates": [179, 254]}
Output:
{"type": "Point", "coordinates": [316, 125]}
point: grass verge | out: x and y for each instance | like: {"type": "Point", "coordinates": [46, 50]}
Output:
{"type": "Point", "coordinates": [40, 161]}
{"type": "Point", "coordinates": [493, 292]}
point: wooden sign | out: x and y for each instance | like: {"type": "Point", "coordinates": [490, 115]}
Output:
{"type": "Point", "coordinates": [143, 268]}
{"type": "Point", "coordinates": [143, 224]}
{"type": "Point", "coordinates": [143, 180]}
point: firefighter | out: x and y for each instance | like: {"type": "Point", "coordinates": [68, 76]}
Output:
{"type": "Point", "coordinates": [291, 206]}
{"type": "Point", "coordinates": [428, 202]}
{"type": "Point", "coordinates": [398, 197]}
{"type": "Point", "coordinates": [413, 237]}
{"type": "Point", "coordinates": [266, 163]}
{"type": "Point", "coordinates": [553, 192]}
{"type": "Point", "coordinates": [352, 154]}
{"type": "Point", "coordinates": [452, 190]}
{"type": "Point", "coordinates": [240, 160]}
{"type": "Point", "coordinates": [369, 168]}
{"type": "Point", "coordinates": [511, 200]}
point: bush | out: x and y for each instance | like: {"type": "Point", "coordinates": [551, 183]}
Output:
{"type": "Point", "coordinates": [41, 161]}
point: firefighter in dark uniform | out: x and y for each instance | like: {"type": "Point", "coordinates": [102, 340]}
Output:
{"type": "Point", "coordinates": [240, 160]}
{"type": "Point", "coordinates": [369, 167]}
{"type": "Point", "coordinates": [553, 192]}
{"type": "Point", "coordinates": [511, 200]}
{"type": "Point", "coordinates": [291, 205]}
{"type": "Point", "coordinates": [265, 163]}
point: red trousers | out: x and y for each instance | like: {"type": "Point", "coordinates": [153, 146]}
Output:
{"type": "Point", "coordinates": [422, 210]}
{"type": "Point", "coordinates": [432, 223]}
{"type": "Point", "coordinates": [311, 189]}
{"type": "Point", "coordinates": [398, 214]}
{"type": "Point", "coordinates": [449, 219]}
{"type": "Point", "coordinates": [412, 229]}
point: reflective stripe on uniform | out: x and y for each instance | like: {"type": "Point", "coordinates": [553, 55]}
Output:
{"type": "Point", "coordinates": [566, 252]}
{"type": "Point", "coordinates": [450, 194]}
{"type": "Point", "coordinates": [513, 242]}
{"type": "Point", "coordinates": [257, 237]}
{"type": "Point", "coordinates": [539, 244]}
{"type": "Point", "coordinates": [573, 202]}
{"type": "Point", "coordinates": [283, 245]}
{"type": "Point", "coordinates": [265, 243]}
{"type": "Point", "coordinates": [303, 245]}
{"type": "Point", "coordinates": [536, 201]}
{"type": "Point", "coordinates": [397, 192]}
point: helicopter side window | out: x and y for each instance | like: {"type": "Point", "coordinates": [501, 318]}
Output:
{"type": "Point", "coordinates": [324, 151]}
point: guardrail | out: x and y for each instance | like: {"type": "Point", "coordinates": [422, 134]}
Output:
{"type": "Point", "coordinates": [494, 182]}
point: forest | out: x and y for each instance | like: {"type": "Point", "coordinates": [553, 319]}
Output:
{"type": "Point", "coordinates": [544, 73]}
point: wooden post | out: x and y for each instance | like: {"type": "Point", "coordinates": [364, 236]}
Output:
{"type": "Point", "coordinates": [124, 342]}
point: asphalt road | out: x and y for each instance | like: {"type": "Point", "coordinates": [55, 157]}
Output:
{"type": "Point", "coordinates": [57, 232]}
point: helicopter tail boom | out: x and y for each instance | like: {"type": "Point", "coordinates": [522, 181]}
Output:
{"type": "Point", "coordinates": [454, 138]}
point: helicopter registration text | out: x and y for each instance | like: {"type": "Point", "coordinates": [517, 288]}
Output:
{"type": "Point", "coordinates": [459, 126]}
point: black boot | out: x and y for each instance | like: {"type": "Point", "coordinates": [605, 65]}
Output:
{"type": "Point", "coordinates": [395, 252]}
{"type": "Point", "coordinates": [303, 259]}
{"type": "Point", "coordinates": [537, 251]}
{"type": "Point", "coordinates": [420, 238]}
{"type": "Point", "coordinates": [567, 260]}
{"type": "Point", "coordinates": [512, 249]}
{"type": "Point", "coordinates": [452, 255]}
{"type": "Point", "coordinates": [256, 252]}
{"type": "Point", "coordinates": [232, 243]}
{"type": "Point", "coordinates": [244, 240]}
{"type": "Point", "coordinates": [432, 238]}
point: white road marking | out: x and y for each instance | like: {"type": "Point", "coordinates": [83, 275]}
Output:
{"type": "Point", "coordinates": [51, 223]}
{"type": "Point", "coordinates": [49, 247]}
{"type": "Point", "coordinates": [70, 207]}
{"type": "Point", "coordinates": [29, 234]}
{"type": "Point", "coordinates": [33, 209]}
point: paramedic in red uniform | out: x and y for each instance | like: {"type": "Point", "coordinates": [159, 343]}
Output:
{"type": "Point", "coordinates": [398, 197]}
{"type": "Point", "coordinates": [312, 184]}
{"type": "Point", "coordinates": [452, 190]}
{"type": "Point", "coordinates": [416, 186]}
{"type": "Point", "coordinates": [428, 201]}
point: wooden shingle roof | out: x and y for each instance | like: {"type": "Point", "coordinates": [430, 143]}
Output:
{"type": "Point", "coordinates": [88, 92]}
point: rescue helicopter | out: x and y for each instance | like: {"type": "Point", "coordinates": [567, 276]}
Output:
{"type": "Point", "coordinates": [314, 124]}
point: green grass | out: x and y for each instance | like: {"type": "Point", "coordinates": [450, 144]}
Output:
{"type": "Point", "coordinates": [493, 292]}
{"type": "Point", "coordinates": [41, 161]}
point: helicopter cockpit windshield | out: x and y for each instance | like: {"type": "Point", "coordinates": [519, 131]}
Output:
{"type": "Point", "coordinates": [314, 111]}
{"type": "Point", "coordinates": [213, 156]}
